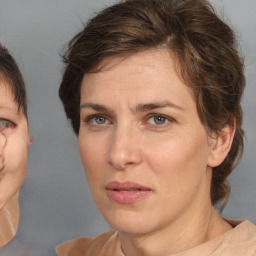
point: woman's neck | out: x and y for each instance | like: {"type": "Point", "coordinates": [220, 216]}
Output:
{"type": "Point", "coordinates": [188, 231]}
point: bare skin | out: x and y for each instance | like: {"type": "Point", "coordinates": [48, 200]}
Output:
{"type": "Point", "coordinates": [139, 124]}
{"type": "Point", "coordinates": [14, 141]}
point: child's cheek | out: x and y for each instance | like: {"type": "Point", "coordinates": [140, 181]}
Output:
{"type": "Point", "coordinates": [2, 149]}
{"type": "Point", "coordinates": [15, 154]}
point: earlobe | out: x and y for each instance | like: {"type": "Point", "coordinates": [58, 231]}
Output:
{"type": "Point", "coordinates": [30, 141]}
{"type": "Point", "coordinates": [221, 145]}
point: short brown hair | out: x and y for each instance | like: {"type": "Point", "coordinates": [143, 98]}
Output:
{"type": "Point", "coordinates": [206, 51]}
{"type": "Point", "coordinates": [10, 72]}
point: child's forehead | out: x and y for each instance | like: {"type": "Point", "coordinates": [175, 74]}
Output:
{"type": "Point", "coordinates": [7, 96]}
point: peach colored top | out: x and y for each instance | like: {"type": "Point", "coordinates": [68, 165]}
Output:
{"type": "Point", "coordinates": [9, 219]}
{"type": "Point", "coordinates": [240, 241]}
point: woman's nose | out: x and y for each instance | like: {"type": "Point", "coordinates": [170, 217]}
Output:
{"type": "Point", "coordinates": [125, 149]}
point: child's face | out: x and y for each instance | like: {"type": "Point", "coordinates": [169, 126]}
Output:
{"type": "Point", "coordinates": [14, 141]}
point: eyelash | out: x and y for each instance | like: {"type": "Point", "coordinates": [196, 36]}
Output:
{"type": "Point", "coordinates": [5, 124]}
{"type": "Point", "coordinates": [89, 119]}
{"type": "Point", "coordinates": [167, 120]}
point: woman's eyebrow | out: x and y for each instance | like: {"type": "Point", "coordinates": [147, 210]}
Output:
{"type": "Point", "coordinates": [139, 108]}
{"type": "Point", "coordinates": [97, 107]}
{"type": "Point", "coordinates": [154, 105]}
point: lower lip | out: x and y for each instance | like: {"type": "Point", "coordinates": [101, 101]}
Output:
{"type": "Point", "coordinates": [128, 197]}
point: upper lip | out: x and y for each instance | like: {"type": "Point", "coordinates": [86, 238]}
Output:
{"type": "Point", "coordinates": [127, 185]}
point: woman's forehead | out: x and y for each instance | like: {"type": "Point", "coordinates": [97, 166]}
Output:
{"type": "Point", "coordinates": [151, 73]}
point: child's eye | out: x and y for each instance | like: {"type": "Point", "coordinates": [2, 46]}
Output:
{"type": "Point", "coordinates": [4, 123]}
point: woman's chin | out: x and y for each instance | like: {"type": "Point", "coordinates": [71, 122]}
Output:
{"type": "Point", "coordinates": [129, 228]}
{"type": "Point", "coordinates": [128, 222]}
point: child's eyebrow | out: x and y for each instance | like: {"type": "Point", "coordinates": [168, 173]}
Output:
{"type": "Point", "coordinates": [7, 110]}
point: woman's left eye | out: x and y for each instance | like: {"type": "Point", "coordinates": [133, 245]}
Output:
{"type": "Point", "coordinates": [158, 120]}
{"type": "Point", "coordinates": [4, 123]}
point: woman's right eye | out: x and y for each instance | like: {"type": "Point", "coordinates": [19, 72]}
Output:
{"type": "Point", "coordinates": [4, 124]}
{"type": "Point", "coordinates": [97, 120]}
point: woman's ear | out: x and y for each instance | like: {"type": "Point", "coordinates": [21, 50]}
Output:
{"type": "Point", "coordinates": [221, 144]}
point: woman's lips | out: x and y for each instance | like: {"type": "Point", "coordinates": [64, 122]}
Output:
{"type": "Point", "coordinates": [126, 192]}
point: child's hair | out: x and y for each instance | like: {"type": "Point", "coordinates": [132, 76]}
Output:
{"type": "Point", "coordinates": [9, 72]}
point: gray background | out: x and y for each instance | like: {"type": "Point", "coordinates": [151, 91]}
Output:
{"type": "Point", "coordinates": [55, 201]}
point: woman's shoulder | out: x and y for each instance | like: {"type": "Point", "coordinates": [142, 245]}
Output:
{"type": "Point", "coordinates": [105, 243]}
{"type": "Point", "coordinates": [241, 240]}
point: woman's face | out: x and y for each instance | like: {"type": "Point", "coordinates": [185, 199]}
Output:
{"type": "Point", "coordinates": [14, 140]}
{"type": "Point", "coordinates": [143, 147]}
